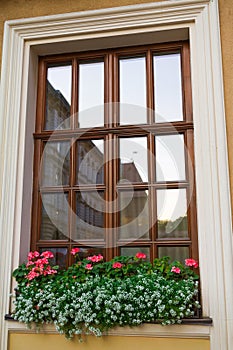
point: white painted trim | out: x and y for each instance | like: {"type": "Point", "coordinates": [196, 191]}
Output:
{"type": "Point", "coordinates": [145, 330]}
{"type": "Point", "coordinates": [213, 195]}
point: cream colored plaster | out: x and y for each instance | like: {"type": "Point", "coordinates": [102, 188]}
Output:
{"type": "Point", "coordinates": [226, 28]}
{"type": "Point", "coordinates": [58, 342]}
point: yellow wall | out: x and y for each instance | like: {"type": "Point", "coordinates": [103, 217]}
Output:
{"type": "Point", "coordinates": [58, 342]}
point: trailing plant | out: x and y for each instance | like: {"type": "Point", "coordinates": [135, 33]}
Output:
{"type": "Point", "coordinates": [92, 296]}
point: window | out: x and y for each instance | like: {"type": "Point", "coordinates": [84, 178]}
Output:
{"type": "Point", "coordinates": [113, 171]}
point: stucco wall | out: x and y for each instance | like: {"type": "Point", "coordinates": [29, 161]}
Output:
{"type": "Point", "coordinates": [58, 342]}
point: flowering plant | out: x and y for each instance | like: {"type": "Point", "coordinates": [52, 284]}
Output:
{"type": "Point", "coordinates": [93, 296]}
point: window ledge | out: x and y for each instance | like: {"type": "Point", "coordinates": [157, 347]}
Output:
{"type": "Point", "coordinates": [190, 328]}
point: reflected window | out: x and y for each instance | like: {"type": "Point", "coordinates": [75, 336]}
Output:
{"type": "Point", "coordinates": [91, 95]}
{"type": "Point", "coordinates": [170, 158]}
{"type": "Point", "coordinates": [168, 88]}
{"type": "Point", "coordinates": [56, 164]}
{"type": "Point", "coordinates": [132, 251]}
{"type": "Point", "coordinates": [172, 219]}
{"type": "Point", "coordinates": [133, 90]}
{"type": "Point", "coordinates": [134, 215]}
{"type": "Point", "coordinates": [133, 159]}
{"type": "Point", "coordinates": [90, 209]}
{"type": "Point", "coordinates": [54, 218]}
{"type": "Point", "coordinates": [90, 162]}
{"type": "Point", "coordinates": [58, 97]}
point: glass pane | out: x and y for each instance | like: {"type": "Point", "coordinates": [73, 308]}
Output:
{"type": "Point", "coordinates": [133, 90]}
{"type": "Point", "coordinates": [56, 164]}
{"type": "Point", "coordinates": [175, 253]}
{"type": "Point", "coordinates": [170, 158]}
{"type": "Point", "coordinates": [58, 97]}
{"type": "Point", "coordinates": [91, 95]}
{"type": "Point", "coordinates": [168, 88]}
{"type": "Point", "coordinates": [134, 215]}
{"type": "Point", "coordinates": [90, 162]}
{"type": "Point", "coordinates": [90, 208]}
{"type": "Point", "coordinates": [132, 251]}
{"type": "Point", "coordinates": [172, 213]}
{"type": "Point", "coordinates": [54, 218]}
{"type": "Point", "coordinates": [133, 159]}
{"type": "Point", "coordinates": [60, 256]}
{"type": "Point", "coordinates": [89, 251]}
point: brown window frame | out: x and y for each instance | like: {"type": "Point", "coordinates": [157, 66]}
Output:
{"type": "Point", "coordinates": [111, 131]}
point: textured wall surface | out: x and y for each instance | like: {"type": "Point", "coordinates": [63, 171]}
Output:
{"type": "Point", "coordinates": [58, 342]}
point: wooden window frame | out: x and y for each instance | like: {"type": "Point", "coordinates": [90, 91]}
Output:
{"type": "Point", "coordinates": [112, 131]}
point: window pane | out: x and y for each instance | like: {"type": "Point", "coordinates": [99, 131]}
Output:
{"type": "Point", "coordinates": [54, 218]}
{"type": "Point", "coordinates": [170, 158]}
{"type": "Point", "coordinates": [89, 251]}
{"type": "Point", "coordinates": [90, 162]}
{"type": "Point", "coordinates": [60, 256]}
{"type": "Point", "coordinates": [134, 215]}
{"type": "Point", "coordinates": [175, 253]}
{"type": "Point", "coordinates": [132, 251]}
{"type": "Point", "coordinates": [91, 95]}
{"type": "Point", "coordinates": [168, 88]}
{"type": "Point", "coordinates": [172, 213]}
{"type": "Point", "coordinates": [58, 97]}
{"type": "Point", "coordinates": [56, 164]}
{"type": "Point", "coordinates": [133, 90]}
{"type": "Point", "coordinates": [133, 159]}
{"type": "Point", "coordinates": [90, 208]}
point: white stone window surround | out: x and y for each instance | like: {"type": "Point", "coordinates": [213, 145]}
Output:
{"type": "Point", "coordinates": [25, 39]}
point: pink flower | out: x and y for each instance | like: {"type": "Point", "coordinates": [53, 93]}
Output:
{"type": "Point", "coordinates": [191, 262]}
{"type": "Point", "coordinates": [31, 275]}
{"type": "Point", "coordinates": [175, 269]}
{"type": "Point", "coordinates": [88, 267]}
{"type": "Point", "coordinates": [74, 251]}
{"type": "Point", "coordinates": [140, 255]}
{"type": "Point", "coordinates": [95, 258]}
{"type": "Point", "coordinates": [32, 255]}
{"type": "Point", "coordinates": [41, 262]}
{"type": "Point", "coordinates": [49, 271]}
{"type": "Point", "coordinates": [117, 265]}
{"type": "Point", "coordinates": [47, 254]}
{"type": "Point", "coordinates": [30, 263]}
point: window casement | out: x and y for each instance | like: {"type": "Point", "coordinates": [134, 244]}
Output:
{"type": "Point", "coordinates": [114, 158]}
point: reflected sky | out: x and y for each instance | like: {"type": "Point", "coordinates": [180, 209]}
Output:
{"type": "Point", "coordinates": [168, 88]}
{"type": "Point", "coordinates": [171, 204]}
{"type": "Point", "coordinates": [60, 79]}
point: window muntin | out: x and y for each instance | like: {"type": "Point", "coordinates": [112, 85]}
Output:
{"type": "Point", "coordinates": [108, 139]}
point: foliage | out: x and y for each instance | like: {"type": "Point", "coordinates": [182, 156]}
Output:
{"type": "Point", "coordinates": [93, 296]}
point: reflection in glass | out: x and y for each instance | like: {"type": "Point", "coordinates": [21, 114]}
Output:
{"type": "Point", "coordinates": [170, 158]}
{"type": "Point", "coordinates": [90, 208]}
{"type": "Point", "coordinates": [132, 251]}
{"type": "Point", "coordinates": [133, 90]}
{"type": "Point", "coordinates": [172, 213]}
{"type": "Point", "coordinates": [56, 164]}
{"type": "Point", "coordinates": [90, 251]}
{"type": "Point", "coordinates": [90, 162]}
{"type": "Point", "coordinates": [91, 94]}
{"type": "Point", "coordinates": [54, 218]}
{"type": "Point", "coordinates": [58, 97]}
{"type": "Point", "coordinates": [134, 216]}
{"type": "Point", "coordinates": [60, 256]}
{"type": "Point", "coordinates": [133, 159]}
{"type": "Point", "coordinates": [175, 253]}
{"type": "Point", "coordinates": [168, 88]}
